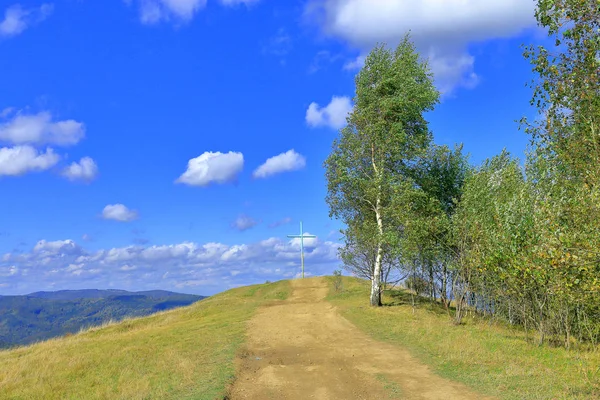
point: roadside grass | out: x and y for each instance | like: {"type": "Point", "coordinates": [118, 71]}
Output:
{"type": "Point", "coordinates": [489, 357]}
{"type": "Point", "coordinates": [186, 353]}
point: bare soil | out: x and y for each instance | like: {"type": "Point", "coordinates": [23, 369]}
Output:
{"type": "Point", "coordinates": [302, 348]}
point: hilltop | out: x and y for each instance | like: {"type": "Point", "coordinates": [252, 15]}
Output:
{"type": "Point", "coordinates": [290, 338]}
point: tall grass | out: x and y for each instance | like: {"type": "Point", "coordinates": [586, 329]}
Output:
{"type": "Point", "coordinates": [186, 353]}
{"type": "Point", "coordinates": [491, 358]}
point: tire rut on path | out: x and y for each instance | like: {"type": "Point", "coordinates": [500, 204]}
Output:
{"type": "Point", "coordinates": [302, 348]}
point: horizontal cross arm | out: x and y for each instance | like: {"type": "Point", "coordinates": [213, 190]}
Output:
{"type": "Point", "coordinates": [305, 236]}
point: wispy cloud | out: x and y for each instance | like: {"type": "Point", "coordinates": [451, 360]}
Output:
{"type": "Point", "coordinates": [177, 11]}
{"type": "Point", "coordinates": [244, 222]}
{"type": "Point", "coordinates": [281, 222]}
{"type": "Point", "coordinates": [279, 45]}
{"type": "Point", "coordinates": [17, 19]}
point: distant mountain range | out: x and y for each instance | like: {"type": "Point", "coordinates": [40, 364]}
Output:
{"type": "Point", "coordinates": [44, 315]}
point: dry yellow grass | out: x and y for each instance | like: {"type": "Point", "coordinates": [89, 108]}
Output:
{"type": "Point", "coordinates": [185, 353]}
{"type": "Point", "coordinates": [490, 358]}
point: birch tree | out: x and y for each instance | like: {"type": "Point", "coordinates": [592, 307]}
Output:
{"type": "Point", "coordinates": [370, 164]}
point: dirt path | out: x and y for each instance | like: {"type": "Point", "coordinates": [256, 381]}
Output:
{"type": "Point", "coordinates": [303, 349]}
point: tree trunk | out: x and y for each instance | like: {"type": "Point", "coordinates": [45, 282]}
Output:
{"type": "Point", "coordinates": [376, 279]}
{"type": "Point", "coordinates": [444, 288]}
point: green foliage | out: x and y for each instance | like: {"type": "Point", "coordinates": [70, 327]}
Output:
{"type": "Point", "coordinates": [514, 242]}
{"type": "Point", "coordinates": [427, 248]}
{"type": "Point", "coordinates": [338, 283]}
{"type": "Point", "coordinates": [371, 159]}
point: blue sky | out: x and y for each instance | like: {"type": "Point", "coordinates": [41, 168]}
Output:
{"type": "Point", "coordinates": [173, 144]}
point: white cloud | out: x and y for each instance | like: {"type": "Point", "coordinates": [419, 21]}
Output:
{"type": "Point", "coordinates": [17, 19]}
{"type": "Point", "coordinates": [58, 247]}
{"type": "Point", "coordinates": [308, 241]}
{"type": "Point", "coordinates": [20, 160]}
{"type": "Point", "coordinates": [40, 129]}
{"type": "Point", "coordinates": [244, 222]}
{"type": "Point", "coordinates": [440, 29]}
{"type": "Point", "coordinates": [65, 264]}
{"type": "Point", "coordinates": [118, 212]}
{"type": "Point", "coordinates": [284, 162]}
{"type": "Point", "coordinates": [85, 170]}
{"type": "Point", "coordinates": [332, 115]}
{"type": "Point", "coordinates": [212, 167]}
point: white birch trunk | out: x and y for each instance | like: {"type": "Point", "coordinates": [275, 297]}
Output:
{"type": "Point", "coordinates": [376, 279]}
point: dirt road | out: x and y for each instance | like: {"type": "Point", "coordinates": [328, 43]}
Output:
{"type": "Point", "coordinates": [303, 349]}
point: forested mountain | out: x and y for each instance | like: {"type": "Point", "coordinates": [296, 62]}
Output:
{"type": "Point", "coordinates": [43, 315]}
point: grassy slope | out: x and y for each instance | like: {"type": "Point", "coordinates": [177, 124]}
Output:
{"type": "Point", "coordinates": [185, 353]}
{"type": "Point", "coordinates": [492, 359]}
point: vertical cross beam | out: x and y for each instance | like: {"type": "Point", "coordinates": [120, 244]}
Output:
{"type": "Point", "coordinates": [302, 236]}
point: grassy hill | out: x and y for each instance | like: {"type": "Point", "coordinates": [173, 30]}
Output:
{"type": "Point", "coordinates": [43, 315]}
{"type": "Point", "coordinates": [186, 353]}
{"type": "Point", "coordinates": [489, 356]}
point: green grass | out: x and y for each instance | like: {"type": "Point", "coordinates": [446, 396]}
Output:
{"type": "Point", "coordinates": [186, 353]}
{"type": "Point", "coordinates": [394, 390]}
{"type": "Point", "coordinates": [491, 358]}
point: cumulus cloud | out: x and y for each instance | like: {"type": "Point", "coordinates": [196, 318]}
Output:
{"type": "Point", "coordinates": [17, 19]}
{"type": "Point", "coordinates": [19, 160]}
{"type": "Point", "coordinates": [212, 167]}
{"type": "Point", "coordinates": [45, 248]}
{"type": "Point", "coordinates": [118, 212]}
{"type": "Point", "coordinates": [284, 162]}
{"type": "Point", "coordinates": [39, 129]}
{"type": "Point", "coordinates": [308, 241]}
{"type": "Point", "coordinates": [332, 115]}
{"type": "Point", "coordinates": [201, 267]}
{"type": "Point", "coordinates": [85, 170]}
{"type": "Point", "coordinates": [442, 30]}
{"type": "Point", "coordinates": [244, 222]}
